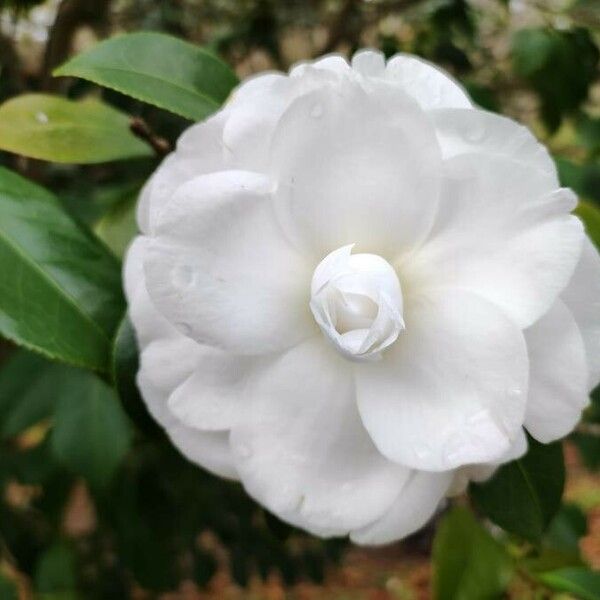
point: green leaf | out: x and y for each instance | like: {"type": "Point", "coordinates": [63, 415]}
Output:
{"type": "Point", "coordinates": [118, 226]}
{"type": "Point", "coordinates": [468, 562]}
{"type": "Point", "coordinates": [524, 495]}
{"type": "Point", "coordinates": [559, 65]}
{"type": "Point", "coordinates": [581, 582]}
{"type": "Point", "coordinates": [55, 571]}
{"type": "Point", "coordinates": [8, 589]}
{"type": "Point", "coordinates": [64, 131]}
{"type": "Point", "coordinates": [29, 387]}
{"type": "Point", "coordinates": [590, 215]}
{"type": "Point", "coordinates": [60, 290]}
{"type": "Point", "coordinates": [91, 433]}
{"type": "Point", "coordinates": [157, 69]}
{"type": "Point", "coordinates": [125, 364]}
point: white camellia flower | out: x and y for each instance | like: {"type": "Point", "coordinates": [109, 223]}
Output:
{"type": "Point", "coordinates": [354, 291]}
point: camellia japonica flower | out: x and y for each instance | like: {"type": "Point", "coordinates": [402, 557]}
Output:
{"type": "Point", "coordinates": [354, 292]}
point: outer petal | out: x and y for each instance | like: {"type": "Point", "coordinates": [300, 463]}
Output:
{"type": "Point", "coordinates": [466, 130]}
{"type": "Point", "coordinates": [199, 150]}
{"type": "Point", "coordinates": [304, 452]}
{"type": "Point", "coordinates": [468, 473]}
{"type": "Point", "coordinates": [503, 232]}
{"type": "Point", "coordinates": [415, 505]}
{"type": "Point", "coordinates": [558, 382]}
{"type": "Point", "coordinates": [451, 391]}
{"type": "Point", "coordinates": [426, 83]}
{"type": "Point", "coordinates": [210, 450]}
{"type": "Point", "coordinates": [220, 269]}
{"type": "Point", "coordinates": [582, 297]}
{"type": "Point", "coordinates": [350, 170]}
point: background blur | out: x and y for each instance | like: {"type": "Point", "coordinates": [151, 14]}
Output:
{"type": "Point", "coordinates": [121, 514]}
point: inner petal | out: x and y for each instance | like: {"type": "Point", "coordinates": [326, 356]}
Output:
{"type": "Point", "coordinates": [355, 311]}
{"type": "Point", "coordinates": [356, 299]}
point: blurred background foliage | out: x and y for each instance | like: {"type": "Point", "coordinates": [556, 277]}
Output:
{"type": "Point", "coordinates": [94, 502]}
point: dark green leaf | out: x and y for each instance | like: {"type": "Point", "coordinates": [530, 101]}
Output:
{"type": "Point", "coordinates": [524, 495]}
{"type": "Point", "coordinates": [158, 69]}
{"type": "Point", "coordinates": [579, 581]}
{"type": "Point", "coordinates": [29, 388]}
{"type": "Point", "coordinates": [60, 290]}
{"type": "Point", "coordinates": [559, 65]}
{"type": "Point", "coordinates": [583, 178]}
{"type": "Point", "coordinates": [469, 564]}
{"type": "Point", "coordinates": [8, 590]}
{"type": "Point", "coordinates": [125, 364]}
{"type": "Point", "coordinates": [63, 131]}
{"type": "Point", "coordinates": [55, 571]}
{"type": "Point", "coordinates": [91, 434]}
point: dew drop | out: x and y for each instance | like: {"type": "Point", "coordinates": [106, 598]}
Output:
{"type": "Point", "coordinates": [183, 276]}
{"type": "Point", "coordinates": [244, 451]}
{"type": "Point", "coordinates": [42, 117]}
{"type": "Point", "coordinates": [316, 111]}
{"type": "Point", "coordinates": [422, 452]}
{"type": "Point", "coordinates": [474, 135]}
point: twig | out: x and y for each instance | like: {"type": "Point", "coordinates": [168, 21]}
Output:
{"type": "Point", "coordinates": [141, 129]}
{"type": "Point", "coordinates": [589, 429]}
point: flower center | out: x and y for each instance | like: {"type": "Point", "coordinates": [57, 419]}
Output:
{"type": "Point", "coordinates": [357, 302]}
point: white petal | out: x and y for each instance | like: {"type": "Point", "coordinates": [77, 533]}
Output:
{"type": "Point", "coordinates": [199, 150]}
{"type": "Point", "coordinates": [369, 63]}
{"type": "Point", "coordinates": [149, 324]}
{"type": "Point", "coordinates": [558, 378]}
{"type": "Point", "coordinates": [304, 453]}
{"type": "Point", "coordinates": [461, 131]}
{"type": "Point", "coordinates": [427, 84]}
{"type": "Point", "coordinates": [168, 363]}
{"type": "Point", "coordinates": [351, 170]}
{"type": "Point", "coordinates": [452, 389]}
{"type": "Point", "coordinates": [482, 472]}
{"type": "Point", "coordinates": [214, 397]}
{"type": "Point", "coordinates": [416, 504]}
{"type": "Point", "coordinates": [221, 271]}
{"type": "Point", "coordinates": [582, 297]}
{"type": "Point", "coordinates": [504, 232]}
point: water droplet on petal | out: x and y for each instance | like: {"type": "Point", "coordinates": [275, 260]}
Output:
{"type": "Point", "coordinates": [244, 451]}
{"type": "Point", "coordinates": [42, 117]}
{"type": "Point", "coordinates": [183, 276]}
{"type": "Point", "coordinates": [316, 111]}
{"type": "Point", "coordinates": [475, 134]}
{"type": "Point", "coordinates": [422, 451]}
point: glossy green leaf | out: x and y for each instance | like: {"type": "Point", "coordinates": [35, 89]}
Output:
{"type": "Point", "coordinates": [64, 131]}
{"type": "Point", "coordinates": [579, 581]}
{"type": "Point", "coordinates": [524, 495]}
{"type": "Point", "coordinates": [157, 69]}
{"type": "Point", "coordinates": [468, 562]}
{"type": "Point", "coordinates": [60, 290]}
{"type": "Point", "coordinates": [91, 434]}
{"type": "Point", "coordinates": [125, 364]}
{"type": "Point", "coordinates": [590, 215]}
